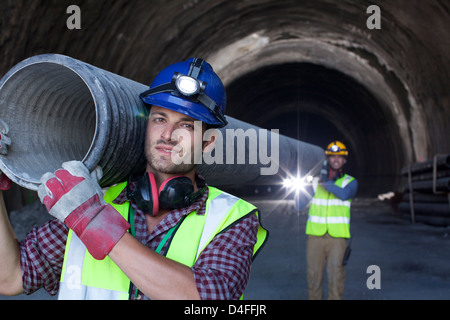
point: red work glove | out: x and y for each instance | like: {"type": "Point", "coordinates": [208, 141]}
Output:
{"type": "Point", "coordinates": [74, 197]}
{"type": "Point", "coordinates": [5, 182]}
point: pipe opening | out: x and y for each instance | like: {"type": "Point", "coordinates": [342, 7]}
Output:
{"type": "Point", "coordinates": [52, 118]}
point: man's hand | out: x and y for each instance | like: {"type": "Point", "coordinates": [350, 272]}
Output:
{"type": "Point", "coordinates": [324, 172]}
{"type": "Point", "coordinates": [74, 196]}
{"type": "Point", "coordinates": [5, 182]}
{"type": "Point", "coordinates": [5, 141]}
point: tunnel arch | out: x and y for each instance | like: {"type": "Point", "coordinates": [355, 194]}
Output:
{"type": "Point", "coordinates": [363, 100]}
{"type": "Point", "coordinates": [403, 67]}
{"type": "Point", "coordinates": [316, 104]}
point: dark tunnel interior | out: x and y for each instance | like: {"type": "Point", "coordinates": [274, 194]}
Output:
{"type": "Point", "coordinates": [317, 105]}
{"type": "Point", "coordinates": [316, 70]}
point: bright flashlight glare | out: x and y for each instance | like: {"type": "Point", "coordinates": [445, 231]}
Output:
{"type": "Point", "coordinates": [297, 184]}
{"type": "Point", "coordinates": [287, 183]}
{"type": "Point", "coordinates": [187, 85]}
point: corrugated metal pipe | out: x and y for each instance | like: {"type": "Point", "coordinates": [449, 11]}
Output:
{"type": "Point", "coordinates": [59, 109]}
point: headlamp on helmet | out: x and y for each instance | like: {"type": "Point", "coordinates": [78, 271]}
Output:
{"type": "Point", "coordinates": [336, 148]}
{"type": "Point", "coordinates": [192, 91]}
{"type": "Point", "coordinates": [188, 86]}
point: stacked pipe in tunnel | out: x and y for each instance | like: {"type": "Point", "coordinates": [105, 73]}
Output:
{"type": "Point", "coordinates": [60, 109]}
{"type": "Point", "coordinates": [427, 193]}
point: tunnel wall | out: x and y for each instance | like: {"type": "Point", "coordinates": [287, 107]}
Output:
{"type": "Point", "coordinates": [399, 73]}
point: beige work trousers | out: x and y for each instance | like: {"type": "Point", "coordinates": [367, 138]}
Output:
{"type": "Point", "coordinates": [318, 251]}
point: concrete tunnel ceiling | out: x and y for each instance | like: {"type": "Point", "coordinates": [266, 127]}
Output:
{"type": "Point", "coordinates": [309, 68]}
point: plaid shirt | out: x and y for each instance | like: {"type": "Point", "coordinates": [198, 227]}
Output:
{"type": "Point", "coordinates": [221, 271]}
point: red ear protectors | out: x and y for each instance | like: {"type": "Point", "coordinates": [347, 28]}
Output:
{"type": "Point", "coordinates": [174, 193]}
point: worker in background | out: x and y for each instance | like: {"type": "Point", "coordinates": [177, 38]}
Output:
{"type": "Point", "coordinates": [328, 225]}
{"type": "Point", "coordinates": [163, 234]}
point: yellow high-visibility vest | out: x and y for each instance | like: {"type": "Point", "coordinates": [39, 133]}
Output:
{"type": "Point", "coordinates": [328, 213]}
{"type": "Point", "coordinates": [84, 277]}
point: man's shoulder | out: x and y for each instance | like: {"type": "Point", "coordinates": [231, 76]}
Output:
{"type": "Point", "coordinates": [349, 177]}
{"type": "Point", "coordinates": [214, 192]}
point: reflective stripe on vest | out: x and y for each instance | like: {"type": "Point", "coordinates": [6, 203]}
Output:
{"type": "Point", "coordinates": [83, 280]}
{"type": "Point", "coordinates": [331, 202]}
{"type": "Point", "coordinates": [328, 213]}
{"type": "Point", "coordinates": [83, 277]}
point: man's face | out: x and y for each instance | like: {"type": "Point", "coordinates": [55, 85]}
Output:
{"type": "Point", "coordinates": [170, 135]}
{"type": "Point", "coordinates": [336, 162]}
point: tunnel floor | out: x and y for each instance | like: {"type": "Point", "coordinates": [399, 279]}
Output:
{"type": "Point", "coordinates": [413, 258]}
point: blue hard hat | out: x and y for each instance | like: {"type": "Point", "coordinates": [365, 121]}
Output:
{"type": "Point", "coordinates": [192, 88]}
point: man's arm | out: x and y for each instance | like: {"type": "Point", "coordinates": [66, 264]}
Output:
{"type": "Point", "coordinates": [10, 270]}
{"type": "Point", "coordinates": [155, 275]}
{"type": "Point", "coordinates": [346, 193]}
{"type": "Point", "coordinates": [221, 271]}
{"type": "Point", "coordinates": [71, 195]}
{"type": "Point", "coordinates": [223, 268]}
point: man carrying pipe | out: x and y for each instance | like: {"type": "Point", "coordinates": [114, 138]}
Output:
{"type": "Point", "coordinates": [164, 234]}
